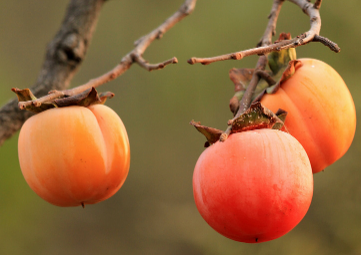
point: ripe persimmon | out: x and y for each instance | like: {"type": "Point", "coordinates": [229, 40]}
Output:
{"type": "Point", "coordinates": [321, 112]}
{"type": "Point", "coordinates": [254, 187]}
{"type": "Point", "coordinates": [74, 155]}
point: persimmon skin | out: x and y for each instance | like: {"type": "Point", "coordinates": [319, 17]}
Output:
{"type": "Point", "coordinates": [74, 155]}
{"type": "Point", "coordinates": [254, 187]}
{"type": "Point", "coordinates": [321, 112]}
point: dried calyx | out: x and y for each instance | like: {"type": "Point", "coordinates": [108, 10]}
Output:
{"type": "Point", "coordinates": [256, 117]}
{"type": "Point", "coordinates": [281, 66]}
{"type": "Point", "coordinates": [86, 98]}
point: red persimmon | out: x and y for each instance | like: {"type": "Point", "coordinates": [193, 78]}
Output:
{"type": "Point", "coordinates": [254, 187]}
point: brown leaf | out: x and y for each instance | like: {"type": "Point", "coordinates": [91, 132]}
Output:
{"type": "Point", "coordinates": [241, 77]}
{"type": "Point", "coordinates": [212, 134]}
{"type": "Point", "coordinates": [256, 117]}
{"type": "Point", "coordinates": [284, 36]}
{"type": "Point", "coordinates": [26, 95]}
{"type": "Point", "coordinates": [105, 95]}
{"type": "Point", "coordinates": [86, 98]}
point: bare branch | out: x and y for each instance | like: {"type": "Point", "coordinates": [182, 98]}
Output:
{"type": "Point", "coordinates": [272, 23]}
{"type": "Point", "coordinates": [266, 76]}
{"type": "Point", "coordinates": [315, 20]}
{"type": "Point", "coordinates": [150, 67]}
{"type": "Point", "coordinates": [261, 65]}
{"type": "Point", "coordinates": [262, 61]}
{"type": "Point", "coordinates": [312, 10]}
{"type": "Point", "coordinates": [327, 42]}
{"type": "Point", "coordinates": [64, 55]}
{"type": "Point", "coordinates": [135, 56]}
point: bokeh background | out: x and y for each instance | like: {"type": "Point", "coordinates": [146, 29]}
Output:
{"type": "Point", "coordinates": [154, 212]}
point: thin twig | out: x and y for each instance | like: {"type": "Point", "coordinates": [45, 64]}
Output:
{"type": "Point", "coordinates": [272, 23]}
{"type": "Point", "coordinates": [151, 67]}
{"type": "Point", "coordinates": [312, 10]}
{"type": "Point", "coordinates": [327, 42]}
{"type": "Point", "coordinates": [266, 76]}
{"type": "Point", "coordinates": [135, 56]}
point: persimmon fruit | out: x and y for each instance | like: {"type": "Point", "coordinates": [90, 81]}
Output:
{"type": "Point", "coordinates": [321, 112]}
{"type": "Point", "coordinates": [254, 187]}
{"type": "Point", "coordinates": [75, 155]}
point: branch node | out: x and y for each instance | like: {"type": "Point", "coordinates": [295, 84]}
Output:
{"type": "Point", "coordinates": [36, 103]}
{"type": "Point", "coordinates": [160, 34]}
{"type": "Point", "coordinates": [191, 61]}
{"type": "Point", "coordinates": [317, 4]}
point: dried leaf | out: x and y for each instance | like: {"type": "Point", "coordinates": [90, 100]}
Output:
{"type": "Point", "coordinates": [241, 77]}
{"type": "Point", "coordinates": [105, 95]}
{"type": "Point", "coordinates": [87, 98]}
{"type": "Point", "coordinates": [91, 98]}
{"type": "Point", "coordinates": [26, 95]}
{"type": "Point", "coordinates": [281, 114]}
{"type": "Point", "coordinates": [256, 117]}
{"type": "Point", "coordinates": [212, 134]}
{"type": "Point", "coordinates": [284, 36]}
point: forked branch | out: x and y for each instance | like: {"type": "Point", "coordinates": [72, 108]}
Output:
{"type": "Point", "coordinates": [64, 54]}
{"type": "Point", "coordinates": [59, 67]}
{"type": "Point", "coordinates": [135, 56]}
{"type": "Point", "coordinates": [261, 65]}
{"type": "Point", "coordinates": [312, 10]}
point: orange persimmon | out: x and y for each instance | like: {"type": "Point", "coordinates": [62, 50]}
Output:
{"type": "Point", "coordinates": [74, 155]}
{"type": "Point", "coordinates": [321, 112]}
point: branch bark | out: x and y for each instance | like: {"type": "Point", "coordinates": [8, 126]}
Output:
{"type": "Point", "coordinates": [312, 10]}
{"type": "Point", "coordinates": [63, 57]}
{"type": "Point", "coordinates": [261, 65]}
{"type": "Point", "coordinates": [135, 56]}
{"type": "Point", "coordinates": [66, 52]}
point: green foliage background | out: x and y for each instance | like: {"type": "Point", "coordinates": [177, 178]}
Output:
{"type": "Point", "coordinates": [154, 212]}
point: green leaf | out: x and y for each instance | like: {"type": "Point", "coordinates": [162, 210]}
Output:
{"type": "Point", "coordinates": [278, 60]}
{"type": "Point", "coordinates": [241, 78]}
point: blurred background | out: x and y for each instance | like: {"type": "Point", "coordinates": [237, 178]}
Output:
{"type": "Point", "coordinates": [154, 212]}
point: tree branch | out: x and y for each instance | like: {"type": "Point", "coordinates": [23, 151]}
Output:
{"type": "Point", "coordinates": [312, 10]}
{"type": "Point", "coordinates": [135, 56]}
{"type": "Point", "coordinates": [64, 55]}
{"type": "Point", "coordinates": [66, 52]}
{"type": "Point", "coordinates": [261, 65]}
